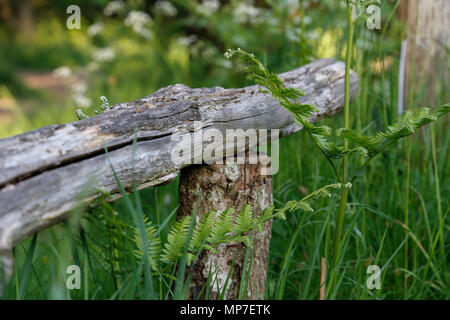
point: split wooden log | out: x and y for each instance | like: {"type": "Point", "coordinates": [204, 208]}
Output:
{"type": "Point", "coordinates": [219, 187]}
{"type": "Point", "coordinates": [47, 172]}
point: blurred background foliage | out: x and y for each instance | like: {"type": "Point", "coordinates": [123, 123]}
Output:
{"type": "Point", "coordinates": [128, 49]}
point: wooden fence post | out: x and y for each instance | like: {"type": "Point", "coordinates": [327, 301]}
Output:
{"type": "Point", "coordinates": [218, 187]}
{"type": "Point", "coordinates": [6, 267]}
{"type": "Point", "coordinates": [428, 40]}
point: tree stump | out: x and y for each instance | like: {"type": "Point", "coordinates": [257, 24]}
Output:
{"type": "Point", "coordinates": [219, 187]}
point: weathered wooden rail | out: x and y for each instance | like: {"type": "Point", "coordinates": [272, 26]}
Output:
{"type": "Point", "coordinates": [49, 171]}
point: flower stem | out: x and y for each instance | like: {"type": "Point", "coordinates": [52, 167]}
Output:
{"type": "Point", "coordinates": [347, 84]}
{"type": "Point", "coordinates": [344, 194]}
{"type": "Point", "coordinates": [339, 223]}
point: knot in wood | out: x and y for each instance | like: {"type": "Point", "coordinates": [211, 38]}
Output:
{"type": "Point", "coordinates": [232, 172]}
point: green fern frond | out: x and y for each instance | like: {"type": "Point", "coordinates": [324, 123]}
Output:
{"type": "Point", "coordinates": [244, 220]}
{"type": "Point", "coordinates": [202, 231]}
{"type": "Point", "coordinates": [222, 226]}
{"type": "Point", "coordinates": [303, 110]}
{"type": "Point", "coordinates": [405, 126]}
{"type": "Point", "coordinates": [303, 204]}
{"type": "Point", "coordinates": [190, 258]}
{"type": "Point", "coordinates": [265, 216]}
{"type": "Point", "coordinates": [99, 256]}
{"type": "Point", "coordinates": [324, 192]}
{"type": "Point", "coordinates": [212, 249]}
{"type": "Point", "coordinates": [292, 206]}
{"type": "Point", "coordinates": [154, 244]}
{"type": "Point", "coordinates": [409, 124]}
{"type": "Point", "coordinates": [176, 239]}
{"type": "Point", "coordinates": [257, 72]}
{"type": "Point", "coordinates": [364, 146]}
{"type": "Point", "coordinates": [370, 145]}
{"type": "Point", "coordinates": [287, 98]}
{"type": "Point", "coordinates": [442, 110]}
{"type": "Point", "coordinates": [241, 239]}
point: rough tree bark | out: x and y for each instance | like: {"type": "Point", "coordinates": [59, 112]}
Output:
{"type": "Point", "coordinates": [219, 187]}
{"type": "Point", "coordinates": [428, 42]}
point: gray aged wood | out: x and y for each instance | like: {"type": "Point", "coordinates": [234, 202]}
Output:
{"type": "Point", "coordinates": [205, 188]}
{"type": "Point", "coordinates": [47, 172]}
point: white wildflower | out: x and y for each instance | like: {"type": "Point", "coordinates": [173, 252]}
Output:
{"type": "Point", "coordinates": [95, 29]}
{"type": "Point", "coordinates": [166, 8]}
{"type": "Point", "coordinates": [293, 34]}
{"type": "Point", "coordinates": [246, 12]}
{"type": "Point", "coordinates": [103, 54]}
{"type": "Point", "coordinates": [82, 101]}
{"type": "Point", "coordinates": [79, 95]}
{"type": "Point", "coordinates": [292, 6]}
{"type": "Point", "coordinates": [307, 20]}
{"type": "Point", "coordinates": [228, 54]}
{"type": "Point", "coordinates": [79, 88]}
{"type": "Point", "coordinates": [137, 20]}
{"type": "Point", "coordinates": [187, 41]}
{"type": "Point", "coordinates": [114, 7]}
{"type": "Point", "coordinates": [143, 31]}
{"type": "Point", "coordinates": [209, 53]}
{"type": "Point", "coordinates": [105, 103]}
{"type": "Point", "coordinates": [208, 7]}
{"type": "Point", "coordinates": [81, 115]}
{"type": "Point", "coordinates": [225, 63]}
{"type": "Point", "coordinates": [62, 72]}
